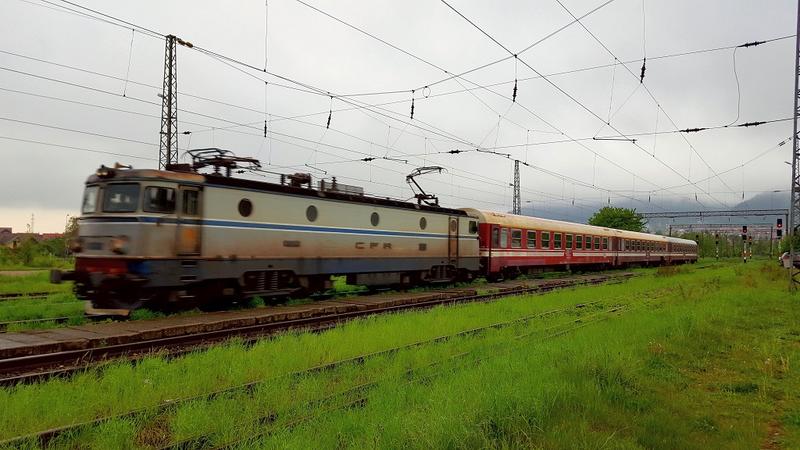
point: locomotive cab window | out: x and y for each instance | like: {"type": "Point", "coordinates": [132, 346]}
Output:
{"type": "Point", "coordinates": [121, 198]}
{"type": "Point", "coordinates": [473, 227]}
{"type": "Point", "coordinates": [90, 199]}
{"type": "Point", "coordinates": [191, 203]}
{"type": "Point", "coordinates": [557, 241]}
{"type": "Point", "coordinates": [516, 238]}
{"type": "Point", "coordinates": [579, 242]}
{"type": "Point", "coordinates": [159, 200]}
{"type": "Point", "coordinates": [545, 239]}
{"type": "Point", "coordinates": [531, 237]}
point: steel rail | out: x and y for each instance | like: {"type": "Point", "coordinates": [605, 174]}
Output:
{"type": "Point", "coordinates": [26, 366]}
{"type": "Point", "coordinates": [273, 417]}
{"type": "Point", "coordinates": [45, 436]}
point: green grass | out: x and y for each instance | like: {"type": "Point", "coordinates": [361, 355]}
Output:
{"type": "Point", "coordinates": [36, 282]}
{"type": "Point", "coordinates": [699, 359]}
{"type": "Point", "coordinates": [60, 303]}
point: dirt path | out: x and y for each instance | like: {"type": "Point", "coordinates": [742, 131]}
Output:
{"type": "Point", "coordinates": [19, 273]}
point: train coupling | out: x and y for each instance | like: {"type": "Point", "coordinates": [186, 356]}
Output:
{"type": "Point", "coordinates": [57, 276]}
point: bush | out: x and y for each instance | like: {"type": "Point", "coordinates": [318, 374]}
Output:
{"type": "Point", "coordinates": [31, 253]}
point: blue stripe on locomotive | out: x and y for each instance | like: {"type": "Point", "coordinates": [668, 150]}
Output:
{"type": "Point", "coordinates": [266, 226]}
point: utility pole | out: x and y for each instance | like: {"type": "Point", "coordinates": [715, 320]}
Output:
{"type": "Point", "coordinates": [794, 205]}
{"type": "Point", "coordinates": [517, 207]}
{"type": "Point", "coordinates": [168, 149]}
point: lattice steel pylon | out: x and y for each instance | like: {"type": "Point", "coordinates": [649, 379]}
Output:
{"type": "Point", "coordinates": [517, 206]}
{"type": "Point", "coordinates": [794, 205]}
{"type": "Point", "coordinates": [168, 149]}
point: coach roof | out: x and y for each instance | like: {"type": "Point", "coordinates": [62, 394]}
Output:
{"type": "Point", "coordinates": [536, 223]}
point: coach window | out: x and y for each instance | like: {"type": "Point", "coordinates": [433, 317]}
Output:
{"type": "Point", "coordinates": [121, 198]}
{"type": "Point", "coordinates": [312, 213]}
{"type": "Point", "coordinates": [531, 239]}
{"type": "Point", "coordinates": [423, 223]}
{"type": "Point", "coordinates": [579, 242]}
{"type": "Point", "coordinates": [504, 237]}
{"type": "Point", "coordinates": [596, 243]}
{"type": "Point", "coordinates": [569, 241]}
{"type": "Point", "coordinates": [495, 237]}
{"type": "Point", "coordinates": [557, 241]}
{"type": "Point", "coordinates": [545, 239]}
{"type": "Point", "coordinates": [588, 244]}
{"type": "Point", "coordinates": [516, 238]}
{"type": "Point", "coordinates": [374, 219]}
{"type": "Point", "coordinates": [605, 243]}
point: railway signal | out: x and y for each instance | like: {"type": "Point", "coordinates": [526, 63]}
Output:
{"type": "Point", "coordinates": [779, 228]}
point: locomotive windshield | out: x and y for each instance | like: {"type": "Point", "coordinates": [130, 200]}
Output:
{"type": "Point", "coordinates": [121, 197]}
{"type": "Point", "coordinates": [90, 200]}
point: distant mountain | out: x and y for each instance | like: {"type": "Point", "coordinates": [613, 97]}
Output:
{"type": "Point", "coordinates": [766, 200]}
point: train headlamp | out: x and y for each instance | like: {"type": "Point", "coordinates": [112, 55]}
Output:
{"type": "Point", "coordinates": [76, 245]}
{"type": "Point", "coordinates": [119, 245]}
{"type": "Point", "coordinates": [105, 172]}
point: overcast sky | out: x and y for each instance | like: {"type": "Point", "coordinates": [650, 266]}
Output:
{"type": "Point", "coordinates": [305, 46]}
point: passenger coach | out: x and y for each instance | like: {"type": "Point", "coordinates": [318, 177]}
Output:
{"type": "Point", "coordinates": [511, 245]}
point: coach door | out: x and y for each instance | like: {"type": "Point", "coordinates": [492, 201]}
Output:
{"type": "Point", "coordinates": [452, 241]}
{"type": "Point", "coordinates": [189, 218]}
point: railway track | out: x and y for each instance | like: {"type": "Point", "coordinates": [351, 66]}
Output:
{"type": "Point", "coordinates": [276, 421]}
{"type": "Point", "coordinates": [26, 295]}
{"type": "Point", "coordinates": [39, 366]}
{"type": "Point", "coordinates": [272, 419]}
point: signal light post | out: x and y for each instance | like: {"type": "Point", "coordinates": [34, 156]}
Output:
{"type": "Point", "coordinates": [744, 243]}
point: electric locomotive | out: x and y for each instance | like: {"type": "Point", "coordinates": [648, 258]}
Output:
{"type": "Point", "coordinates": [156, 238]}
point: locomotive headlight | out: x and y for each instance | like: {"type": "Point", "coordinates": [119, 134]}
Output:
{"type": "Point", "coordinates": [105, 172]}
{"type": "Point", "coordinates": [119, 244]}
{"type": "Point", "coordinates": [76, 245]}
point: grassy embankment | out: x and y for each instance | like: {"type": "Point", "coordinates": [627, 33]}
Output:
{"type": "Point", "coordinates": [60, 303]}
{"type": "Point", "coordinates": [694, 359]}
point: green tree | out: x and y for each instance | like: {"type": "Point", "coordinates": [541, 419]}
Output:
{"type": "Point", "coordinates": [618, 218]}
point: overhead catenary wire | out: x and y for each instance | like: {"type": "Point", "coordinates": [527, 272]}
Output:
{"type": "Point", "coordinates": [456, 79]}
{"type": "Point", "coordinates": [191, 112]}
{"type": "Point", "coordinates": [69, 2]}
{"type": "Point", "coordinates": [251, 125]}
{"type": "Point", "coordinates": [641, 82]}
{"type": "Point", "coordinates": [113, 93]}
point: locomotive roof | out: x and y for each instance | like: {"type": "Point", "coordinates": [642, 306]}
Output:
{"type": "Point", "coordinates": [241, 183]}
{"type": "Point", "coordinates": [528, 222]}
{"type": "Point", "coordinates": [308, 192]}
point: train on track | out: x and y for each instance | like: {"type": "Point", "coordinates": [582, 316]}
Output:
{"type": "Point", "coordinates": [173, 238]}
